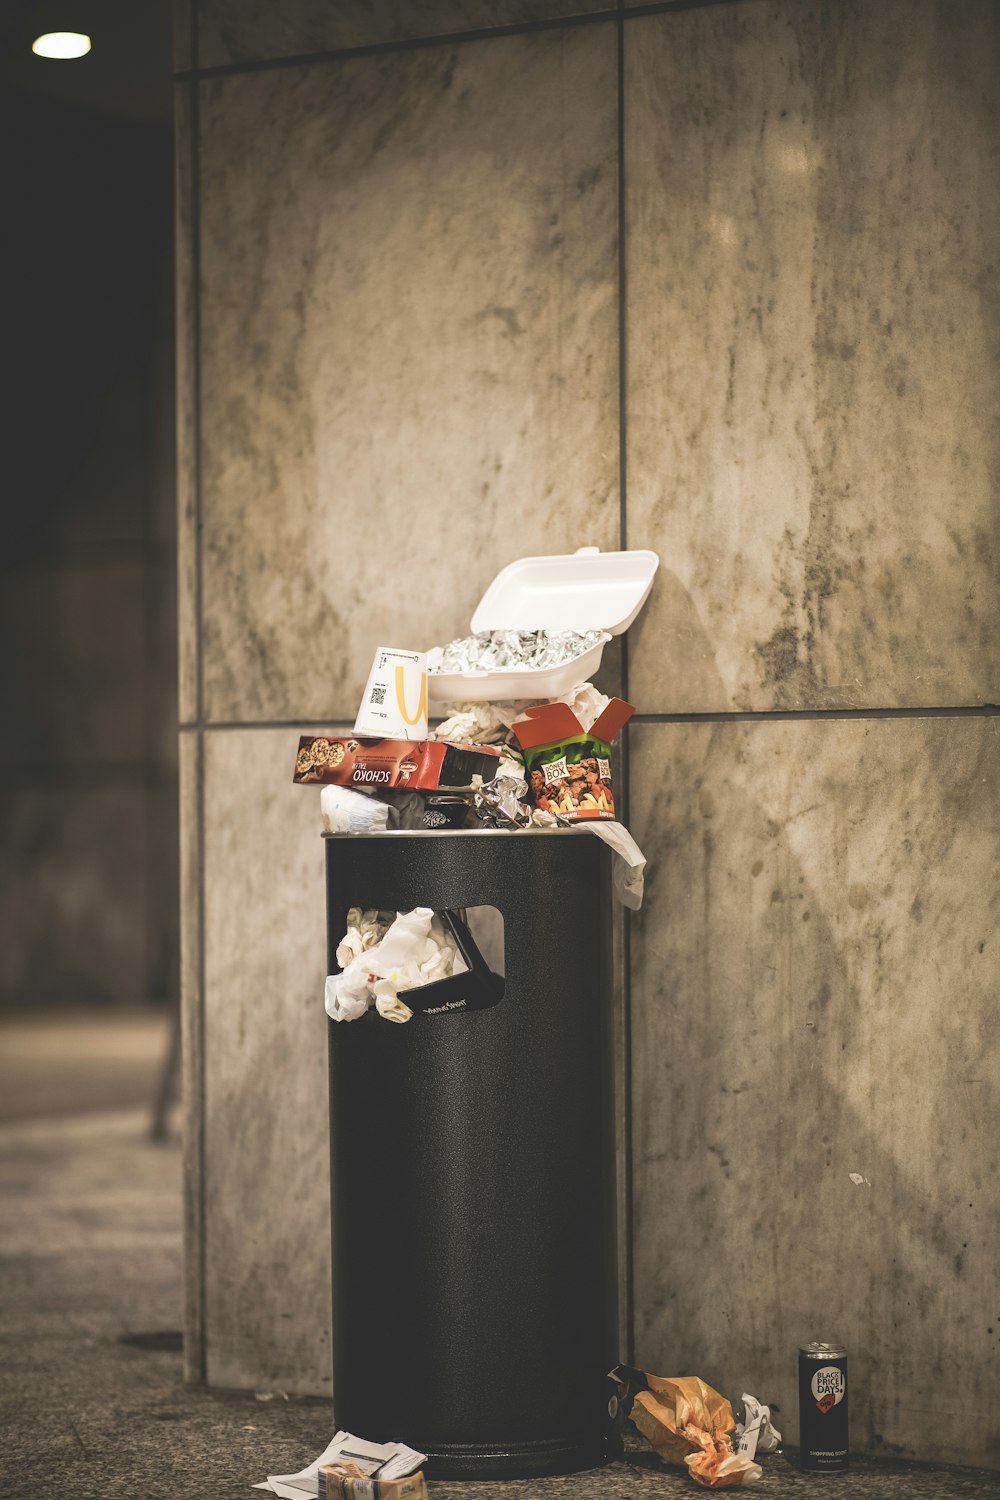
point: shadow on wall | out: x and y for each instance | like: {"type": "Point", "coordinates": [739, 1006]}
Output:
{"type": "Point", "coordinates": [88, 873]}
{"type": "Point", "coordinates": [812, 1057]}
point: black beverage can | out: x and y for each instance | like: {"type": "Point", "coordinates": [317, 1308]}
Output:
{"type": "Point", "coordinates": [823, 1406]}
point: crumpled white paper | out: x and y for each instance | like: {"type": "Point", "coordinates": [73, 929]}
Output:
{"type": "Point", "coordinates": [473, 724]}
{"type": "Point", "coordinates": [416, 949]}
{"type": "Point", "coordinates": [386, 1460]}
{"type": "Point", "coordinates": [364, 930]}
{"type": "Point", "coordinates": [488, 723]}
{"type": "Point", "coordinates": [757, 1434]}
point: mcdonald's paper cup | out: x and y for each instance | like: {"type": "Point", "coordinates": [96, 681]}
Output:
{"type": "Point", "coordinates": [394, 705]}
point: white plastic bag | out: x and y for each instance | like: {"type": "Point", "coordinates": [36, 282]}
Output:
{"type": "Point", "coordinates": [347, 811]}
{"type": "Point", "coordinates": [627, 872]}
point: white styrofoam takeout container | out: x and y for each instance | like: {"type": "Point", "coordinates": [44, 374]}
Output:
{"type": "Point", "coordinates": [583, 590]}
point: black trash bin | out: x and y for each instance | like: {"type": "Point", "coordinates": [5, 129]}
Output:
{"type": "Point", "coordinates": [472, 1165]}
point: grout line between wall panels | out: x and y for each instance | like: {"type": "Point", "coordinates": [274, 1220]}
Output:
{"type": "Point", "coordinates": [400, 44]}
{"type": "Point", "coordinates": [622, 333]}
{"type": "Point", "coordinates": [345, 726]}
{"type": "Point", "coordinates": [628, 1276]}
{"type": "Point", "coordinates": [150, 860]}
{"type": "Point", "coordinates": [983, 711]}
{"type": "Point", "coordinates": [736, 716]}
{"type": "Point", "coordinates": [197, 1358]}
{"type": "Point", "coordinates": [616, 13]}
{"type": "Point", "coordinates": [667, 7]}
{"type": "Point", "coordinates": [198, 1364]}
{"type": "Point", "coordinates": [196, 428]}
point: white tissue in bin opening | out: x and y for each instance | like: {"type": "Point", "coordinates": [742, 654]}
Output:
{"type": "Point", "coordinates": [583, 590]}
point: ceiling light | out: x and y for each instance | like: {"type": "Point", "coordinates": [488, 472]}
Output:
{"type": "Point", "coordinates": [61, 44]}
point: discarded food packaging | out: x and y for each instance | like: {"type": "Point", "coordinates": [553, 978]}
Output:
{"type": "Point", "coordinates": [569, 768]}
{"type": "Point", "coordinates": [350, 760]}
{"type": "Point", "coordinates": [347, 1481]}
{"type": "Point", "coordinates": [395, 697]}
{"type": "Point", "coordinates": [542, 626]}
{"type": "Point", "coordinates": [688, 1422]}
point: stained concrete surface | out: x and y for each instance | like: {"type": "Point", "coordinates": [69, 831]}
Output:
{"type": "Point", "coordinates": [93, 1404]}
{"type": "Point", "coordinates": [441, 242]}
{"type": "Point", "coordinates": [814, 1055]}
{"type": "Point", "coordinates": [811, 211]}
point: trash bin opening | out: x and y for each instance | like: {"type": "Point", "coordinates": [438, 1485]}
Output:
{"type": "Point", "coordinates": [485, 923]}
{"type": "Point", "coordinates": [418, 963]}
{"type": "Point", "coordinates": [477, 978]}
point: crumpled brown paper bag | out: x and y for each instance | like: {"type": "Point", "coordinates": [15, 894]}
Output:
{"type": "Point", "coordinates": [688, 1423]}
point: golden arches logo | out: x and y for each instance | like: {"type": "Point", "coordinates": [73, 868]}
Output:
{"type": "Point", "coordinates": [421, 713]}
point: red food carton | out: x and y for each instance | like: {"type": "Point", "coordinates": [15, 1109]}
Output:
{"type": "Point", "coordinates": [569, 767]}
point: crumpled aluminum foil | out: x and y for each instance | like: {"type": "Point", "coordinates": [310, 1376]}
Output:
{"type": "Point", "coordinates": [503, 801]}
{"type": "Point", "coordinates": [506, 650]}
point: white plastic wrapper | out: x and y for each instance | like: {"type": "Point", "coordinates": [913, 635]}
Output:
{"type": "Point", "coordinates": [628, 870]}
{"type": "Point", "coordinates": [347, 811]}
{"type": "Point", "coordinates": [414, 950]}
{"type": "Point", "coordinates": [506, 650]}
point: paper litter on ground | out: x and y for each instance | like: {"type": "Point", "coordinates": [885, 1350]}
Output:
{"type": "Point", "coordinates": [386, 1460]}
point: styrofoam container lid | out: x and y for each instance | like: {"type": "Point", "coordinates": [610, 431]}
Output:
{"type": "Point", "coordinates": [583, 590]}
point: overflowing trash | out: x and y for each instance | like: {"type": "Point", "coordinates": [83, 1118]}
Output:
{"type": "Point", "coordinates": [503, 650]}
{"type": "Point", "coordinates": [394, 953]}
{"type": "Point", "coordinates": [492, 722]}
{"type": "Point", "coordinates": [689, 1424]}
{"type": "Point", "coordinates": [628, 869]}
{"type": "Point", "coordinates": [350, 1468]}
{"type": "Point", "coordinates": [569, 767]}
{"type": "Point", "coordinates": [542, 626]}
{"type": "Point", "coordinates": [369, 764]}
{"type": "Point", "coordinates": [523, 744]}
{"type": "Point", "coordinates": [500, 735]}
{"type": "Point", "coordinates": [404, 963]}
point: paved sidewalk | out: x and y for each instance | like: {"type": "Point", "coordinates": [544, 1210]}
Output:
{"type": "Point", "coordinates": [93, 1405]}
{"type": "Point", "coordinates": [73, 1062]}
